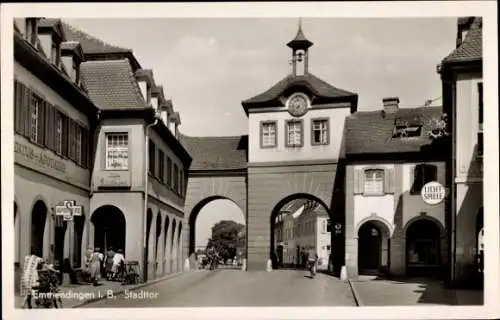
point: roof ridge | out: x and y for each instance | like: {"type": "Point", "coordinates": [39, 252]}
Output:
{"type": "Point", "coordinates": [213, 137]}
{"type": "Point", "coordinates": [90, 37]}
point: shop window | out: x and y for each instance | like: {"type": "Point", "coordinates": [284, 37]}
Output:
{"type": "Point", "coordinates": [117, 151]}
{"type": "Point", "coordinates": [169, 172]}
{"type": "Point", "coordinates": [374, 182]}
{"type": "Point", "coordinates": [422, 174]}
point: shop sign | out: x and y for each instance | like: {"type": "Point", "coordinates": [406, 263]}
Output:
{"type": "Point", "coordinates": [40, 157]}
{"type": "Point", "coordinates": [113, 179]}
{"type": "Point", "coordinates": [68, 209]}
{"type": "Point", "coordinates": [433, 193]}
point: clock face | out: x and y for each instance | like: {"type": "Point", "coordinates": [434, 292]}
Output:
{"type": "Point", "coordinates": [297, 104]}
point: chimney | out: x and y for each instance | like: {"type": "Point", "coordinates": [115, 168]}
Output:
{"type": "Point", "coordinates": [391, 104]}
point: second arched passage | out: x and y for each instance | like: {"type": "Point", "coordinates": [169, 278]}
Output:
{"type": "Point", "coordinates": [300, 224]}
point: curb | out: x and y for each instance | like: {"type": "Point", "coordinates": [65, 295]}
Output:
{"type": "Point", "coordinates": [355, 294]}
{"type": "Point", "coordinates": [122, 290]}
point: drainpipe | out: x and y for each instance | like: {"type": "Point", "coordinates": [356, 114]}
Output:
{"type": "Point", "coordinates": [145, 209]}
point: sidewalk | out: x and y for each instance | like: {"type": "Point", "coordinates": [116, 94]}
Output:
{"type": "Point", "coordinates": [74, 296]}
{"type": "Point", "coordinates": [411, 292]}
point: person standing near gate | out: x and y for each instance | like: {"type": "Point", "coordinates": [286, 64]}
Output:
{"type": "Point", "coordinates": [95, 266]}
{"type": "Point", "coordinates": [109, 263]}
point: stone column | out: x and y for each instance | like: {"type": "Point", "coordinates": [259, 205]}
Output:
{"type": "Point", "coordinates": [160, 251]}
{"type": "Point", "coordinates": [398, 240]}
{"type": "Point", "coordinates": [174, 249]}
{"type": "Point", "coordinates": [151, 247]}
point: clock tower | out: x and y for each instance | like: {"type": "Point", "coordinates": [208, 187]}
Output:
{"type": "Point", "coordinates": [300, 57]}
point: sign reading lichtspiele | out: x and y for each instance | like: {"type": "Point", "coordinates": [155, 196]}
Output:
{"type": "Point", "coordinates": [433, 193]}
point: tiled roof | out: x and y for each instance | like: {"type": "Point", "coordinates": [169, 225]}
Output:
{"type": "Point", "coordinates": [111, 84]}
{"type": "Point", "coordinates": [89, 43]}
{"type": "Point", "coordinates": [471, 48]}
{"type": "Point", "coordinates": [48, 22]}
{"type": "Point", "coordinates": [315, 84]}
{"type": "Point", "coordinates": [69, 45]}
{"type": "Point", "coordinates": [216, 153]}
{"type": "Point", "coordinates": [370, 132]}
{"type": "Point", "coordinates": [294, 205]}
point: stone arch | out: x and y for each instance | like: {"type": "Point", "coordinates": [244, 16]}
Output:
{"type": "Point", "coordinates": [158, 231]}
{"type": "Point", "coordinates": [173, 246]}
{"type": "Point", "coordinates": [438, 223]}
{"type": "Point", "coordinates": [277, 209]}
{"type": "Point", "coordinates": [79, 243]}
{"type": "Point", "coordinates": [379, 221]}
{"type": "Point", "coordinates": [109, 228]}
{"type": "Point", "coordinates": [194, 215]}
{"type": "Point", "coordinates": [179, 246]}
{"type": "Point", "coordinates": [149, 252]}
{"type": "Point", "coordinates": [39, 234]}
{"type": "Point", "coordinates": [166, 244]}
{"type": "Point", "coordinates": [17, 233]}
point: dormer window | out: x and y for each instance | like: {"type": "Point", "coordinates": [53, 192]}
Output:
{"type": "Point", "coordinates": [31, 30]}
{"type": "Point", "coordinates": [405, 129]}
{"type": "Point", "coordinates": [55, 54]}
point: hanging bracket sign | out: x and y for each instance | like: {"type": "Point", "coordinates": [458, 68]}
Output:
{"type": "Point", "coordinates": [68, 209]}
{"type": "Point", "coordinates": [433, 193]}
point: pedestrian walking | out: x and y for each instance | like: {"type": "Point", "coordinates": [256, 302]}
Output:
{"type": "Point", "coordinates": [95, 266]}
{"type": "Point", "coordinates": [109, 263]}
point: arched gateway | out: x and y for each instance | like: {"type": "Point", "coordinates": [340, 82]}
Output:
{"type": "Point", "coordinates": [294, 146]}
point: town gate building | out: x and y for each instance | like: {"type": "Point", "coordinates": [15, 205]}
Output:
{"type": "Point", "coordinates": [294, 149]}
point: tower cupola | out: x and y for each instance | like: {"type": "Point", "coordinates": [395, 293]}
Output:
{"type": "Point", "coordinates": [300, 46]}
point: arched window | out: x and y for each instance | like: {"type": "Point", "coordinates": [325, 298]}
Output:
{"type": "Point", "coordinates": [423, 174]}
{"type": "Point", "coordinates": [374, 182]}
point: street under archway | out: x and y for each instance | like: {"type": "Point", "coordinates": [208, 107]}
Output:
{"type": "Point", "coordinates": [300, 223]}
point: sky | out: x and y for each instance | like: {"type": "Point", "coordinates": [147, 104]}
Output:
{"type": "Point", "coordinates": [212, 213]}
{"type": "Point", "coordinates": [208, 66]}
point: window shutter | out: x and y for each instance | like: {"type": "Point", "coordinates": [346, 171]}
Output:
{"type": "Point", "coordinates": [18, 107]}
{"type": "Point", "coordinates": [358, 181]}
{"type": "Point", "coordinates": [392, 178]}
{"type": "Point", "coordinates": [27, 96]}
{"type": "Point", "coordinates": [387, 180]}
{"type": "Point", "coordinates": [65, 134]}
{"type": "Point", "coordinates": [48, 126]}
{"type": "Point", "coordinates": [412, 178]}
{"type": "Point", "coordinates": [41, 123]}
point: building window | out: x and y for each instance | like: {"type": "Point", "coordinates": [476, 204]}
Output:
{"type": "Point", "coordinates": [294, 133]}
{"type": "Point", "coordinates": [59, 133]}
{"type": "Point", "coordinates": [161, 165]}
{"type": "Point", "coordinates": [320, 131]}
{"type": "Point", "coordinates": [34, 112]}
{"type": "Point", "coordinates": [169, 172]}
{"type": "Point", "coordinates": [181, 182]}
{"type": "Point", "coordinates": [422, 174]}
{"type": "Point", "coordinates": [117, 151]}
{"type": "Point", "coordinates": [152, 157]}
{"type": "Point", "coordinates": [78, 145]}
{"type": "Point", "coordinates": [268, 134]}
{"type": "Point", "coordinates": [374, 182]}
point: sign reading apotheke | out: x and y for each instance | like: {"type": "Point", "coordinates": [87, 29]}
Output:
{"type": "Point", "coordinates": [42, 157]}
{"type": "Point", "coordinates": [433, 193]}
{"type": "Point", "coordinates": [113, 179]}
